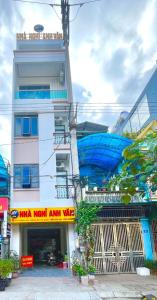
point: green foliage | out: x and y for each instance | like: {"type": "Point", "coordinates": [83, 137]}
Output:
{"type": "Point", "coordinates": [150, 264]}
{"type": "Point", "coordinates": [6, 267]}
{"type": "Point", "coordinates": [86, 214]}
{"type": "Point", "coordinates": [80, 270]}
{"type": "Point", "coordinates": [91, 269]}
{"type": "Point", "coordinates": [139, 169]}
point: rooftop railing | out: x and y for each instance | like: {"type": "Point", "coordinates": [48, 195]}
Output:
{"type": "Point", "coordinates": [41, 94]}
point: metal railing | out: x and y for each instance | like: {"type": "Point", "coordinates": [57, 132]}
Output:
{"type": "Point", "coordinates": [61, 138]}
{"type": "Point", "coordinates": [111, 197]}
{"type": "Point", "coordinates": [41, 94]}
{"type": "Point", "coordinates": [65, 191]}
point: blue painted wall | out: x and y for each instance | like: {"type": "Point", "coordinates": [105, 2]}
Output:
{"type": "Point", "coordinates": [146, 234]}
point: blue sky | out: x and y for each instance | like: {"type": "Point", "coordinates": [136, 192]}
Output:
{"type": "Point", "coordinates": [113, 51]}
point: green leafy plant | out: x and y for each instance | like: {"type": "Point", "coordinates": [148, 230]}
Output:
{"type": "Point", "coordinates": [6, 267]}
{"type": "Point", "coordinates": [86, 215]}
{"type": "Point", "coordinates": [81, 271]}
{"type": "Point", "coordinates": [139, 169]}
{"type": "Point", "coordinates": [150, 264]}
{"type": "Point", "coordinates": [66, 257]}
{"type": "Point", "coordinates": [91, 269]}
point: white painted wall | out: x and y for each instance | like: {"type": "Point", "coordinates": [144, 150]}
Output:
{"type": "Point", "coordinates": [15, 242]}
{"type": "Point", "coordinates": [70, 240]}
{"type": "Point", "coordinates": [47, 169]}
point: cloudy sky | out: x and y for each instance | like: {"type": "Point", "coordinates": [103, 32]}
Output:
{"type": "Point", "coordinates": [113, 52]}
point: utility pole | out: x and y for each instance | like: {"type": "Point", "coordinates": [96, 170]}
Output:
{"type": "Point", "coordinates": [65, 10]}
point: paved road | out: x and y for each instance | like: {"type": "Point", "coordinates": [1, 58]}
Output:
{"type": "Point", "coordinates": [106, 287]}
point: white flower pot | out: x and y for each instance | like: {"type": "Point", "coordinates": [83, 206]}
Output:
{"type": "Point", "coordinates": [84, 280]}
{"type": "Point", "coordinates": [91, 278]}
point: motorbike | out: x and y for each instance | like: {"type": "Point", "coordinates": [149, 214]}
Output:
{"type": "Point", "coordinates": [51, 259]}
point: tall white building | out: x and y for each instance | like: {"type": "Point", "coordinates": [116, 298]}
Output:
{"type": "Point", "coordinates": [44, 155]}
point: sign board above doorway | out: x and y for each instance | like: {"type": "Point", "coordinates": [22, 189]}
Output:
{"type": "Point", "coordinates": [42, 215]}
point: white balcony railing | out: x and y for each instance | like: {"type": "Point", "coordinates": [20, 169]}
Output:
{"type": "Point", "coordinates": [61, 138]}
{"type": "Point", "coordinates": [65, 191]}
{"type": "Point", "coordinates": [111, 197]}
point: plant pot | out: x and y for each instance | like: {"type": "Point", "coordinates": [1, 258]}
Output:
{"type": "Point", "coordinates": [91, 279]}
{"type": "Point", "coordinates": [7, 282]}
{"type": "Point", "coordinates": [2, 285]}
{"type": "Point", "coordinates": [153, 272]}
{"type": "Point", "coordinates": [84, 280]}
{"type": "Point", "coordinates": [64, 264]}
{"type": "Point", "coordinates": [15, 275]}
{"type": "Point", "coordinates": [74, 273]}
{"type": "Point", "coordinates": [10, 276]}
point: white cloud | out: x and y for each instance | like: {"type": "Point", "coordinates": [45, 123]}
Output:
{"type": "Point", "coordinates": [112, 48]}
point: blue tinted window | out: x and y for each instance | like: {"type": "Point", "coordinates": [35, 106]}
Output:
{"type": "Point", "coordinates": [33, 87]}
{"type": "Point", "coordinates": [26, 176]}
{"type": "Point", "coordinates": [18, 126]}
{"type": "Point", "coordinates": [34, 126]}
{"type": "Point", "coordinates": [26, 125]}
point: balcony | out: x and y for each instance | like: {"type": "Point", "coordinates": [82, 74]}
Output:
{"type": "Point", "coordinates": [61, 138]}
{"type": "Point", "coordinates": [111, 197]}
{"type": "Point", "coordinates": [65, 191]}
{"type": "Point", "coordinates": [41, 94]}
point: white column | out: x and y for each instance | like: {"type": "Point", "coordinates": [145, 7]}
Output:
{"type": "Point", "coordinates": [15, 242]}
{"type": "Point", "coordinates": [70, 241]}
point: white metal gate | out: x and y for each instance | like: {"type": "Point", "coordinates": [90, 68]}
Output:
{"type": "Point", "coordinates": [118, 247]}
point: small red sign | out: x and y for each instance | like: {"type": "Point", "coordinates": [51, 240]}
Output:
{"type": "Point", "coordinates": [27, 261]}
{"type": "Point", "coordinates": [3, 204]}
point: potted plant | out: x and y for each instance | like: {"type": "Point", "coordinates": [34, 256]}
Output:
{"type": "Point", "coordinates": [6, 267]}
{"type": "Point", "coordinates": [83, 275]}
{"type": "Point", "coordinates": [15, 259]}
{"type": "Point", "coordinates": [65, 261]}
{"type": "Point", "coordinates": [152, 265]}
{"type": "Point", "coordinates": [91, 273]}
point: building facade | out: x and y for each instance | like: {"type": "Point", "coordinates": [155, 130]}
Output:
{"type": "Point", "coordinates": [143, 111]}
{"type": "Point", "coordinates": [44, 149]}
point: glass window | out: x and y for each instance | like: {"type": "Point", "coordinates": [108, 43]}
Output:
{"type": "Point", "coordinates": [34, 127]}
{"type": "Point", "coordinates": [26, 125]}
{"type": "Point", "coordinates": [35, 176]}
{"type": "Point", "coordinates": [17, 177]}
{"type": "Point", "coordinates": [18, 126]}
{"type": "Point", "coordinates": [144, 113]}
{"type": "Point", "coordinates": [33, 87]}
{"type": "Point", "coordinates": [26, 176]}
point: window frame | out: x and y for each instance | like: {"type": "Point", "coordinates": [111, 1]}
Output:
{"type": "Point", "coordinates": [19, 179]}
{"type": "Point", "coordinates": [22, 118]}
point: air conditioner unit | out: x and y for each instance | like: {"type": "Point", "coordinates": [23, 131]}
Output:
{"type": "Point", "coordinates": [60, 164]}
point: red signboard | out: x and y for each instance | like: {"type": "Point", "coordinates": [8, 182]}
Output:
{"type": "Point", "coordinates": [27, 261]}
{"type": "Point", "coordinates": [3, 204]}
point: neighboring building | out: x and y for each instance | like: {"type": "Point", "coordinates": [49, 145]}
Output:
{"type": "Point", "coordinates": [123, 235]}
{"type": "Point", "coordinates": [120, 121]}
{"type": "Point", "coordinates": [144, 110]}
{"type": "Point", "coordinates": [87, 128]}
{"type": "Point", "coordinates": [42, 209]}
{"type": "Point", "coordinates": [4, 206]}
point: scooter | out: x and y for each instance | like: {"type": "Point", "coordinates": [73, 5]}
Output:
{"type": "Point", "coordinates": [51, 259]}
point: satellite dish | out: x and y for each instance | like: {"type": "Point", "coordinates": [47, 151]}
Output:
{"type": "Point", "coordinates": [38, 28]}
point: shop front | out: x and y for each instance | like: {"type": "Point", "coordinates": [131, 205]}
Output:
{"type": "Point", "coordinates": [38, 232]}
